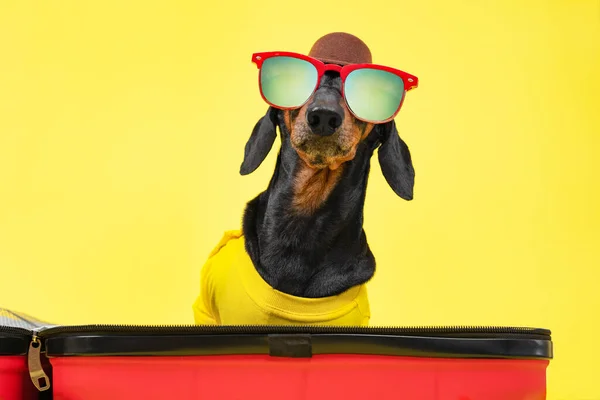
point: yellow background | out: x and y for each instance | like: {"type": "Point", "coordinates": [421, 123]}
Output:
{"type": "Point", "coordinates": [122, 126]}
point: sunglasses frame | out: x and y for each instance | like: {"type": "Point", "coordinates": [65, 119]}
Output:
{"type": "Point", "coordinates": [410, 81]}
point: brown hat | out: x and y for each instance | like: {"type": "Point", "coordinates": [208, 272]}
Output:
{"type": "Point", "coordinates": [340, 48]}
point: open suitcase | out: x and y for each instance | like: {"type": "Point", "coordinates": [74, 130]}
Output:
{"type": "Point", "coordinates": [297, 363]}
{"type": "Point", "coordinates": [98, 362]}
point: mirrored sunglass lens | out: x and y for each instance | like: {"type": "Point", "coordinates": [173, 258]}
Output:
{"type": "Point", "coordinates": [287, 81]}
{"type": "Point", "coordinates": [373, 94]}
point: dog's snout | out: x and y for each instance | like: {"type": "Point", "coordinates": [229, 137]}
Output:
{"type": "Point", "coordinates": [324, 120]}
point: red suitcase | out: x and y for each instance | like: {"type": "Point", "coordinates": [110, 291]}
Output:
{"type": "Point", "coordinates": [297, 363]}
{"type": "Point", "coordinates": [16, 334]}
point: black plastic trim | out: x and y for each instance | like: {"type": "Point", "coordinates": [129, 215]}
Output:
{"type": "Point", "coordinates": [290, 345]}
{"type": "Point", "coordinates": [14, 341]}
{"type": "Point", "coordinates": [450, 342]}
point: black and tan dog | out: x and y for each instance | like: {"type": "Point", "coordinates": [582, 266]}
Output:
{"type": "Point", "coordinates": [302, 255]}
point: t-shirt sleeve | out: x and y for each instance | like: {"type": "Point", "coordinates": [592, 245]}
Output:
{"type": "Point", "coordinates": [205, 311]}
{"type": "Point", "coordinates": [204, 306]}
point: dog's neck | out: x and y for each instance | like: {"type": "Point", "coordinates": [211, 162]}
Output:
{"type": "Point", "coordinates": [322, 250]}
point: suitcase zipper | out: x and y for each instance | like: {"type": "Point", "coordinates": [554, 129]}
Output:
{"type": "Point", "coordinates": [452, 331]}
{"type": "Point", "coordinates": [11, 330]}
{"type": "Point", "coordinates": [34, 364]}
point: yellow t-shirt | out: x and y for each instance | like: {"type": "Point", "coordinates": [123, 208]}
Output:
{"type": "Point", "coordinates": [233, 293]}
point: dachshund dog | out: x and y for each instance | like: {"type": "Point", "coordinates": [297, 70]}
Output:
{"type": "Point", "coordinates": [304, 234]}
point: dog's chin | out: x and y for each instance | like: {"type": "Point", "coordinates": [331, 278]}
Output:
{"type": "Point", "coordinates": [316, 163]}
{"type": "Point", "coordinates": [320, 153]}
{"type": "Point", "coordinates": [324, 160]}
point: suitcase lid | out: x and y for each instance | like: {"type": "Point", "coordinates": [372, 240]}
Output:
{"type": "Point", "coordinates": [297, 341]}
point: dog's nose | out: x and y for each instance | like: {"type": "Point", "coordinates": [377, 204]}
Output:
{"type": "Point", "coordinates": [324, 120]}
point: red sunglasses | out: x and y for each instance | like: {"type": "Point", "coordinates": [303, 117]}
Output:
{"type": "Point", "coordinates": [373, 93]}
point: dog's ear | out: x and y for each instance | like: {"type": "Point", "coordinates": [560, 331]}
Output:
{"type": "Point", "coordinates": [260, 142]}
{"type": "Point", "coordinates": [395, 161]}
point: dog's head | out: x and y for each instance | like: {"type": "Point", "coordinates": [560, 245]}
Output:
{"type": "Point", "coordinates": [326, 135]}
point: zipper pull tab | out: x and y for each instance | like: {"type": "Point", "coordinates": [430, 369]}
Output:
{"type": "Point", "coordinates": [34, 362]}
